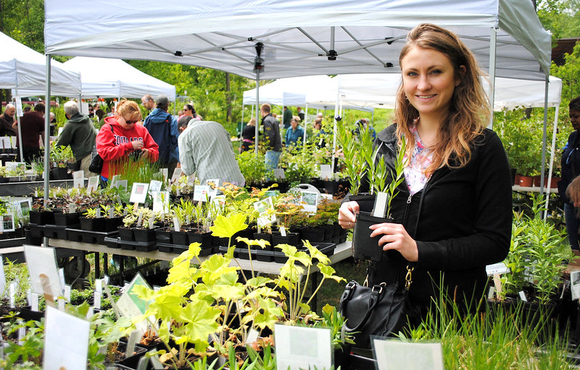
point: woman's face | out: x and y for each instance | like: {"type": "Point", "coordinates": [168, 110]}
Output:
{"type": "Point", "coordinates": [127, 123]}
{"type": "Point", "coordinates": [428, 81]}
{"type": "Point", "coordinates": [575, 119]}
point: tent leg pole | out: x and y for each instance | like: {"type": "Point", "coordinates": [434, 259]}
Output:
{"type": "Point", "coordinates": [257, 110]}
{"type": "Point", "coordinates": [47, 132]}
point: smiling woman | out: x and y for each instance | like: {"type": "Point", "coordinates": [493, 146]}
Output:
{"type": "Point", "coordinates": [453, 211]}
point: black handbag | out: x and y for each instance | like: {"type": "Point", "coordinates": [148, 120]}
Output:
{"type": "Point", "coordinates": [96, 164]}
{"type": "Point", "coordinates": [382, 310]}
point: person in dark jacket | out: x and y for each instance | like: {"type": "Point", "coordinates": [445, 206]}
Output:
{"type": "Point", "coordinates": [571, 170]}
{"type": "Point", "coordinates": [272, 137]}
{"type": "Point", "coordinates": [32, 131]}
{"type": "Point", "coordinates": [163, 128]}
{"type": "Point", "coordinates": [7, 120]}
{"type": "Point", "coordinates": [80, 134]}
{"type": "Point", "coordinates": [453, 213]}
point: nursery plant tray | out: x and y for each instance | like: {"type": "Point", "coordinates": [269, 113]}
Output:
{"type": "Point", "coordinates": [178, 249]}
{"type": "Point", "coordinates": [91, 237]}
{"type": "Point", "coordinates": [54, 231]}
{"type": "Point", "coordinates": [117, 242]}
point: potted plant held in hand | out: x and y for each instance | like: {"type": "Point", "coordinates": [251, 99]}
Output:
{"type": "Point", "coordinates": [366, 247]}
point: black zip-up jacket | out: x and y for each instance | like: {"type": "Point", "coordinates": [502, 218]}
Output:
{"type": "Point", "coordinates": [461, 223]}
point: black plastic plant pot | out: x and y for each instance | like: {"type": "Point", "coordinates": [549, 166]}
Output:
{"type": "Point", "coordinates": [92, 224]}
{"type": "Point", "coordinates": [112, 224]}
{"type": "Point", "coordinates": [144, 235]}
{"type": "Point", "coordinates": [179, 237]}
{"type": "Point", "coordinates": [365, 247]}
{"type": "Point", "coordinates": [290, 239]}
{"type": "Point", "coordinates": [66, 219]}
{"type": "Point", "coordinates": [205, 239]}
{"type": "Point", "coordinates": [126, 234]}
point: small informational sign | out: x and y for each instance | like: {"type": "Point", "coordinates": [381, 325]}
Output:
{"type": "Point", "coordinates": [155, 186]}
{"type": "Point", "coordinates": [129, 304]}
{"type": "Point", "coordinates": [114, 181]}
{"type": "Point", "coordinates": [309, 200]}
{"type": "Point", "coordinates": [176, 175]}
{"type": "Point", "coordinates": [497, 268]}
{"type": "Point", "coordinates": [201, 193]}
{"type": "Point", "coordinates": [2, 278]}
{"type": "Point", "coordinates": [165, 173]}
{"type": "Point", "coordinates": [5, 142]}
{"type": "Point", "coordinates": [93, 184]}
{"type": "Point", "coordinates": [43, 270]}
{"type": "Point", "coordinates": [7, 224]}
{"type": "Point", "coordinates": [121, 184]}
{"type": "Point", "coordinates": [325, 171]}
{"type": "Point", "coordinates": [66, 341]}
{"type": "Point", "coordinates": [380, 209]}
{"type": "Point", "coordinates": [161, 202]}
{"type": "Point", "coordinates": [265, 208]}
{"type": "Point", "coordinates": [78, 179]}
{"type": "Point", "coordinates": [139, 192]}
{"type": "Point", "coordinates": [575, 284]}
{"type": "Point", "coordinates": [397, 355]}
{"type": "Point", "coordinates": [279, 173]}
{"type": "Point", "coordinates": [300, 347]}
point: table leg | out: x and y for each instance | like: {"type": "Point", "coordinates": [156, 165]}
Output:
{"type": "Point", "coordinates": [97, 266]}
{"type": "Point", "coordinates": [106, 264]}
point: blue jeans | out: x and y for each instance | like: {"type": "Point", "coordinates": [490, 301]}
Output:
{"type": "Point", "coordinates": [572, 224]}
{"type": "Point", "coordinates": [272, 159]}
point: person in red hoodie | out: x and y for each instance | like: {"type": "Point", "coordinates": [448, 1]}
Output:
{"type": "Point", "coordinates": [122, 139]}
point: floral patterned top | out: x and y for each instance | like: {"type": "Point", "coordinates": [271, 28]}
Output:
{"type": "Point", "coordinates": [417, 165]}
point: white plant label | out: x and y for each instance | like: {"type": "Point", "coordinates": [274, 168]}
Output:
{"type": "Point", "coordinates": [397, 355]}
{"type": "Point", "coordinates": [66, 341]}
{"type": "Point", "coordinates": [302, 347]}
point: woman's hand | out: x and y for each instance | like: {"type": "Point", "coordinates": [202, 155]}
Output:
{"type": "Point", "coordinates": [137, 144]}
{"type": "Point", "coordinates": [347, 214]}
{"type": "Point", "coordinates": [144, 153]}
{"type": "Point", "coordinates": [395, 237]}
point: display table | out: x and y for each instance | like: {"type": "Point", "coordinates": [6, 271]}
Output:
{"type": "Point", "coordinates": [534, 189]}
{"type": "Point", "coordinates": [341, 252]}
{"type": "Point", "coordinates": [21, 188]}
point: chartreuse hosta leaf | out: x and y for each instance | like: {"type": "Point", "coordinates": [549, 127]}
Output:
{"type": "Point", "coordinates": [226, 227]}
{"type": "Point", "coordinates": [316, 254]}
{"type": "Point", "coordinates": [260, 242]}
{"type": "Point", "coordinates": [328, 273]}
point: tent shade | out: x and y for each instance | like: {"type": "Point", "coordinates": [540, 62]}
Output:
{"type": "Point", "coordinates": [22, 68]}
{"type": "Point", "coordinates": [114, 78]}
{"type": "Point", "coordinates": [299, 38]}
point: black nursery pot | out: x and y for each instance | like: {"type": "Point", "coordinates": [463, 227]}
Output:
{"type": "Point", "coordinates": [364, 246]}
{"type": "Point", "coordinates": [290, 239]}
{"type": "Point", "coordinates": [205, 239]}
{"type": "Point", "coordinates": [112, 224]}
{"type": "Point", "coordinates": [92, 224]}
{"type": "Point", "coordinates": [66, 219]}
{"type": "Point", "coordinates": [144, 235]}
{"type": "Point", "coordinates": [179, 237]}
{"type": "Point", "coordinates": [126, 234]}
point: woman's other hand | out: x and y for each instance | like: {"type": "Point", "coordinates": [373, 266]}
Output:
{"type": "Point", "coordinates": [137, 144]}
{"type": "Point", "coordinates": [347, 214]}
{"type": "Point", "coordinates": [395, 237]}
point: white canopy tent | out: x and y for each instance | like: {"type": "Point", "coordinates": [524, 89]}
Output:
{"type": "Point", "coordinates": [22, 68]}
{"type": "Point", "coordinates": [285, 38]}
{"type": "Point", "coordinates": [114, 78]}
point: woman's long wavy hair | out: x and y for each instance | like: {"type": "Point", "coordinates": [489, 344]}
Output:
{"type": "Point", "coordinates": [469, 109]}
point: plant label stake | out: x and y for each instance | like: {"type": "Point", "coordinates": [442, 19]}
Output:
{"type": "Point", "coordinates": [34, 302]}
{"type": "Point", "coordinates": [12, 293]}
{"type": "Point", "coordinates": [45, 282]}
{"type": "Point", "coordinates": [381, 201]}
{"type": "Point", "coordinates": [497, 284]}
{"type": "Point", "coordinates": [133, 338]}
